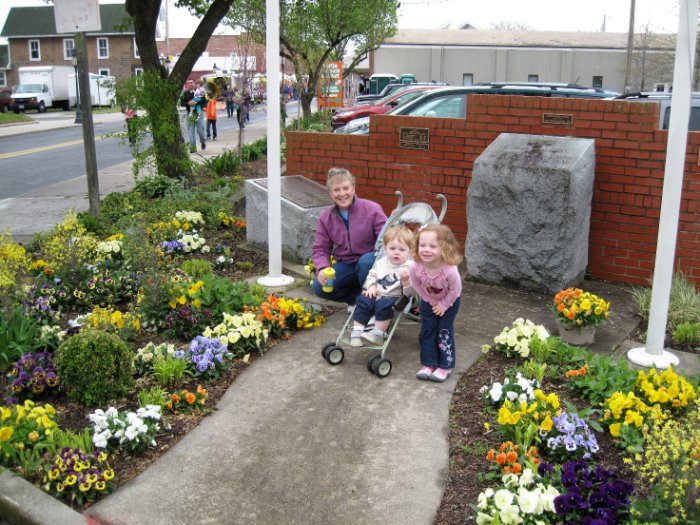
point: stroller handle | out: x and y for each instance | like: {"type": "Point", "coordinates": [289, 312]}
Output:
{"type": "Point", "coordinates": [440, 196]}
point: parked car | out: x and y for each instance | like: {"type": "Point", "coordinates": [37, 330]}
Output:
{"type": "Point", "coordinates": [392, 88]}
{"type": "Point", "coordinates": [400, 97]}
{"type": "Point", "coordinates": [5, 101]}
{"type": "Point", "coordinates": [451, 102]}
{"type": "Point", "coordinates": [664, 99]}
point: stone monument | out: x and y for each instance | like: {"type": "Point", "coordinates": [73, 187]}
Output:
{"type": "Point", "coordinates": [529, 210]}
{"type": "Point", "coordinates": [302, 202]}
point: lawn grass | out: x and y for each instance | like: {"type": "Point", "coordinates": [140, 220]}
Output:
{"type": "Point", "coordinates": [11, 118]}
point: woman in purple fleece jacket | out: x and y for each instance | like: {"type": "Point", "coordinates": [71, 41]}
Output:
{"type": "Point", "coordinates": [348, 230]}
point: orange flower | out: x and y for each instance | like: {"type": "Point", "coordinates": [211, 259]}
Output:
{"type": "Point", "coordinates": [506, 470]}
{"type": "Point", "coordinates": [190, 398]}
{"type": "Point", "coordinates": [201, 390]}
{"type": "Point", "coordinates": [517, 469]}
{"type": "Point", "coordinates": [501, 459]}
{"type": "Point", "coordinates": [491, 455]}
{"type": "Point", "coordinates": [512, 457]}
{"type": "Point", "coordinates": [175, 398]}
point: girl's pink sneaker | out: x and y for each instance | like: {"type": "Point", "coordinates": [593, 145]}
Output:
{"type": "Point", "coordinates": [424, 373]}
{"type": "Point", "coordinates": [440, 374]}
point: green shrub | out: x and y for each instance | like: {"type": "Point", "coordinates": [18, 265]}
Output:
{"type": "Point", "coordinates": [18, 334]}
{"type": "Point", "coordinates": [227, 164]}
{"type": "Point", "coordinates": [684, 303]}
{"type": "Point", "coordinates": [155, 395]}
{"type": "Point", "coordinates": [95, 367]}
{"type": "Point", "coordinates": [169, 370]}
{"type": "Point", "coordinates": [687, 333]}
{"type": "Point", "coordinates": [604, 375]}
{"type": "Point", "coordinates": [197, 268]}
{"type": "Point", "coordinates": [254, 151]}
{"type": "Point", "coordinates": [156, 186]}
{"type": "Point", "coordinates": [222, 295]}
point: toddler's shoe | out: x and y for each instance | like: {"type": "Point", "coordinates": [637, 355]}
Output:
{"type": "Point", "coordinates": [425, 372]}
{"type": "Point", "coordinates": [356, 341]}
{"type": "Point", "coordinates": [440, 374]}
{"type": "Point", "coordinates": [373, 338]}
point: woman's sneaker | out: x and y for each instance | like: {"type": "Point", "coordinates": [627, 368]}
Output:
{"type": "Point", "coordinates": [440, 374]}
{"type": "Point", "coordinates": [425, 372]}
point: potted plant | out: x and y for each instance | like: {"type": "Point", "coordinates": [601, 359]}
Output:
{"type": "Point", "coordinates": [578, 313]}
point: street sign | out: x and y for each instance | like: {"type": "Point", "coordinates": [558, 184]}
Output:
{"type": "Point", "coordinates": [330, 86]}
{"type": "Point", "coordinates": [77, 16]}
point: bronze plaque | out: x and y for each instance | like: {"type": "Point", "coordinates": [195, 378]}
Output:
{"type": "Point", "coordinates": [557, 118]}
{"type": "Point", "coordinates": [414, 138]}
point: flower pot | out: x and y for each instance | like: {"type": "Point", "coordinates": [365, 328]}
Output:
{"type": "Point", "coordinates": [577, 336]}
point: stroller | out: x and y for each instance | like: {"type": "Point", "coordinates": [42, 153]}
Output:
{"type": "Point", "coordinates": [413, 216]}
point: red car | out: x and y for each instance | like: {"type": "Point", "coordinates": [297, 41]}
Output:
{"type": "Point", "coordinates": [345, 115]}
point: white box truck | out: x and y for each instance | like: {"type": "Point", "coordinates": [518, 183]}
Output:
{"type": "Point", "coordinates": [101, 90]}
{"type": "Point", "coordinates": [41, 87]}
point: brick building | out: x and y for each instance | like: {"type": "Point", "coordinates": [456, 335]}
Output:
{"type": "Point", "coordinates": [33, 41]}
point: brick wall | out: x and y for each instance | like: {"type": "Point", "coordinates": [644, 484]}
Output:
{"type": "Point", "coordinates": [121, 61]}
{"type": "Point", "coordinates": [630, 161]}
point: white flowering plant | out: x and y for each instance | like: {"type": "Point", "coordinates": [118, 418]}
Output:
{"type": "Point", "coordinates": [242, 333]}
{"type": "Point", "coordinates": [132, 431]}
{"type": "Point", "coordinates": [517, 390]}
{"type": "Point", "coordinates": [523, 499]}
{"type": "Point", "coordinates": [109, 249]}
{"type": "Point", "coordinates": [188, 218]}
{"type": "Point", "coordinates": [192, 241]}
{"type": "Point", "coordinates": [515, 340]}
{"type": "Point", "coordinates": [146, 355]}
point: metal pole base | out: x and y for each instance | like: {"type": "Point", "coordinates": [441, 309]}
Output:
{"type": "Point", "coordinates": [640, 356]}
{"type": "Point", "coordinates": [270, 281]}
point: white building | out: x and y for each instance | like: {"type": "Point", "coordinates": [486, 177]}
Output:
{"type": "Point", "coordinates": [468, 56]}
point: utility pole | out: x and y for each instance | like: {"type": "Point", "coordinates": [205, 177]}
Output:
{"type": "Point", "coordinates": [630, 47]}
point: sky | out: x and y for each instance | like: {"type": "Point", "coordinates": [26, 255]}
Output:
{"type": "Point", "coordinates": [545, 15]}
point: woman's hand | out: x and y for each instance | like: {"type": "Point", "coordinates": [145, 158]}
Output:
{"type": "Point", "coordinates": [322, 278]}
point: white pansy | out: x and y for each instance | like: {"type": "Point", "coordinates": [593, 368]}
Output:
{"type": "Point", "coordinates": [510, 515]}
{"type": "Point", "coordinates": [528, 500]}
{"type": "Point", "coordinates": [502, 498]}
{"type": "Point", "coordinates": [527, 477]}
{"type": "Point", "coordinates": [483, 519]}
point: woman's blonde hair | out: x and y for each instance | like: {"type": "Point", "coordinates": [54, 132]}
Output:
{"type": "Point", "coordinates": [333, 173]}
{"type": "Point", "coordinates": [449, 247]}
{"type": "Point", "coordinates": [399, 233]}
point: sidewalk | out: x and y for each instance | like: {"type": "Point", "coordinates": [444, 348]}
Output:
{"type": "Point", "coordinates": [36, 211]}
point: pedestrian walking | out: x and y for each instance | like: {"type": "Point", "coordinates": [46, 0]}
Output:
{"type": "Point", "coordinates": [195, 121]}
{"type": "Point", "coordinates": [230, 103]}
{"type": "Point", "coordinates": [211, 119]}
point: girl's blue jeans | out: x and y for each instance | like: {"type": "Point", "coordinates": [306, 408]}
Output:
{"type": "Point", "coordinates": [349, 279]}
{"type": "Point", "coordinates": [437, 336]}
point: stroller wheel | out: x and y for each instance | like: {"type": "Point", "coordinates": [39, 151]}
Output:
{"type": "Point", "coordinates": [373, 361]}
{"type": "Point", "coordinates": [326, 348]}
{"type": "Point", "coordinates": [383, 368]}
{"type": "Point", "coordinates": [335, 355]}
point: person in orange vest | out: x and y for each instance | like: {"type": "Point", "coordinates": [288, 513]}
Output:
{"type": "Point", "coordinates": [211, 118]}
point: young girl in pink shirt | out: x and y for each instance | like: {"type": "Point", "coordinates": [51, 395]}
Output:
{"type": "Point", "coordinates": [436, 280]}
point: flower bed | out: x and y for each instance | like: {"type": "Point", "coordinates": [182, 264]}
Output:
{"type": "Point", "coordinates": [565, 436]}
{"type": "Point", "coordinates": [121, 332]}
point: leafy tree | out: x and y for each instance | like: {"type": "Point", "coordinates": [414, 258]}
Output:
{"type": "Point", "coordinates": [313, 32]}
{"type": "Point", "coordinates": [161, 88]}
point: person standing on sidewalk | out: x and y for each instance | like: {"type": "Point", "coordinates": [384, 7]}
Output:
{"type": "Point", "coordinates": [435, 278]}
{"type": "Point", "coordinates": [230, 105]}
{"type": "Point", "coordinates": [211, 119]}
{"type": "Point", "coordinates": [195, 120]}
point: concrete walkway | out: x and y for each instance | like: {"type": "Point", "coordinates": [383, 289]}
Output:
{"type": "Point", "coordinates": [296, 441]}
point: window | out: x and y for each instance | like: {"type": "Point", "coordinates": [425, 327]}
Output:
{"type": "Point", "coordinates": [138, 71]}
{"type": "Point", "coordinates": [68, 48]}
{"type": "Point", "coordinates": [102, 48]}
{"type": "Point", "coordinates": [104, 72]}
{"type": "Point", "coordinates": [467, 79]}
{"type": "Point", "coordinates": [34, 50]}
{"type": "Point", "coordinates": [3, 79]}
{"type": "Point", "coordinates": [136, 50]}
{"type": "Point", "coordinates": [533, 78]}
{"type": "Point", "coordinates": [597, 82]}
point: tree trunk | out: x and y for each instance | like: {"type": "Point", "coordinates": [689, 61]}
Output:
{"type": "Point", "coordinates": [305, 99]}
